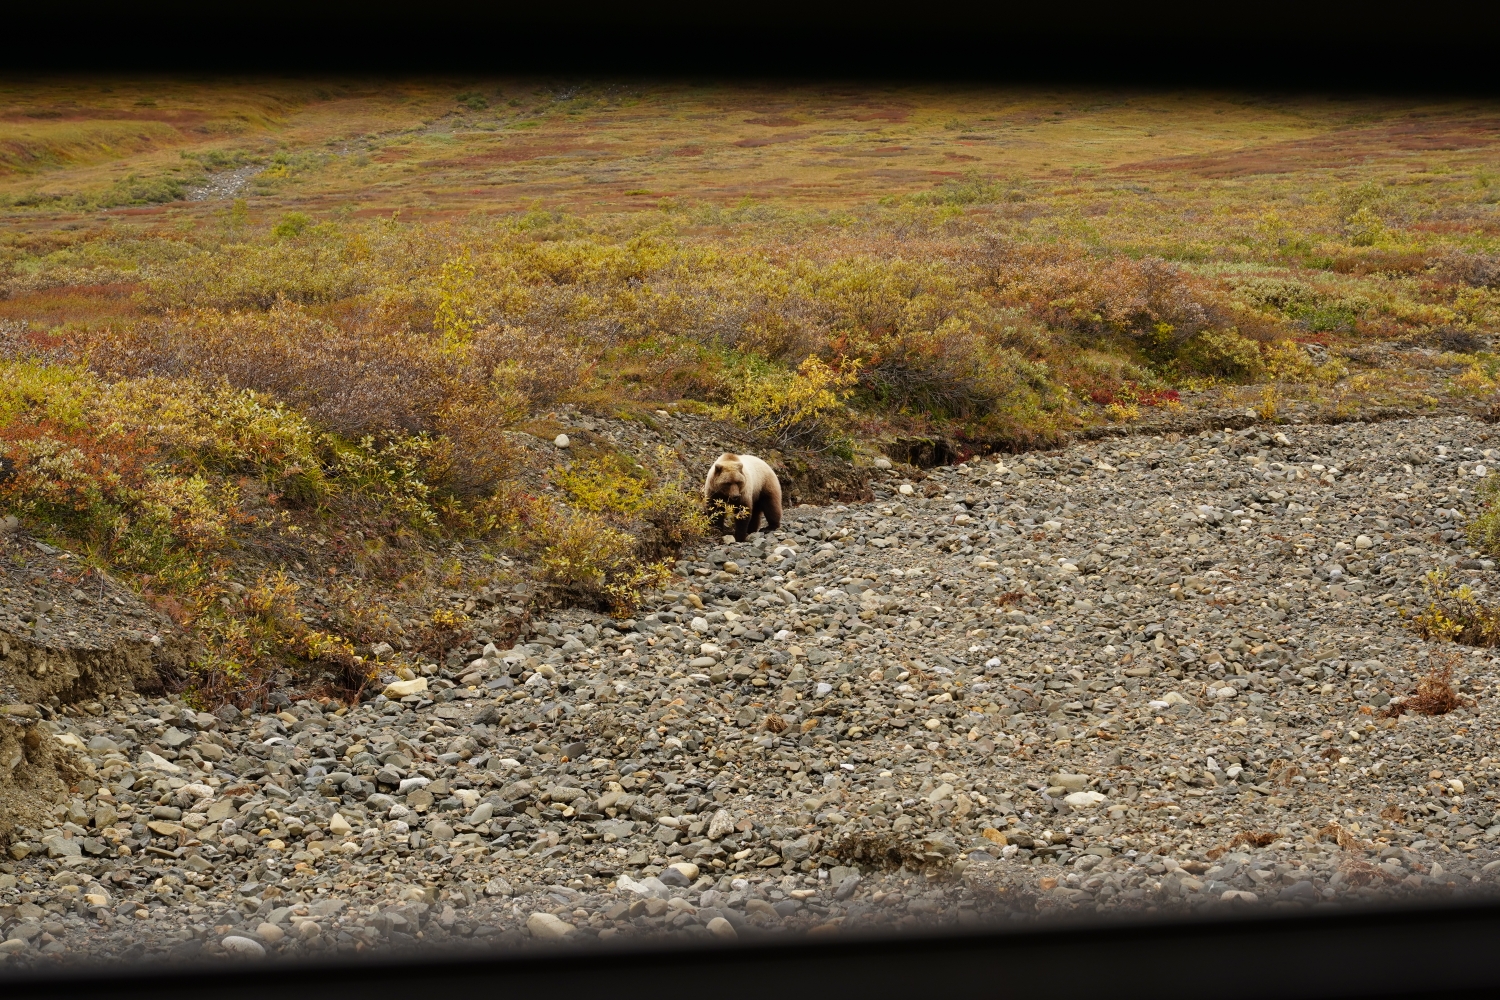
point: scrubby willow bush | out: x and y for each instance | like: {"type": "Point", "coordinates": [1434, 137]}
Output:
{"type": "Point", "coordinates": [661, 510]}
{"type": "Point", "coordinates": [360, 382]}
{"type": "Point", "coordinates": [795, 409]}
{"type": "Point", "coordinates": [1477, 269]}
{"type": "Point", "coordinates": [1222, 353]}
{"type": "Point", "coordinates": [246, 635]}
{"type": "Point", "coordinates": [143, 470]}
{"type": "Point", "coordinates": [125, 469]}
{"type": "Point", "coordinates": [352, 380]}
{"type": "Point", "coordinates": [323, 266]}
{"type": "Point", "coordinates": [953, 372]}
{"type": "Point", "coordinates": [1151, 304]}
{"type": "Point", "coordinates": [587, 562]}
{"type": "Point", "coordinates": [1484, 530]}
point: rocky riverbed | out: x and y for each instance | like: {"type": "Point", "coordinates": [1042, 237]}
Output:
{"type": "Point", "coordinates": [1137, 675]}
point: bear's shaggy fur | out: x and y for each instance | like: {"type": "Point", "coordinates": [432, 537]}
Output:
{"type": "Point", "coordinates": [750, 486]}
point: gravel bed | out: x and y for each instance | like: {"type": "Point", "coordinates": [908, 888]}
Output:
{"type": "Point", "coordinates": [1138, 675]}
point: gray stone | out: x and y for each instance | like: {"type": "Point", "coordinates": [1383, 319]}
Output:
{"type": "Point", "coordinates": [847, 886]}
{"type": "Point", "coordinates": [243, 947]}
{"type": "Point", "coordinates": [1301, 891]}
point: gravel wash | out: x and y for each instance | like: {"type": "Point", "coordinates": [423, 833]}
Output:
{"type": "Point", "coordinates": [1143, 675]}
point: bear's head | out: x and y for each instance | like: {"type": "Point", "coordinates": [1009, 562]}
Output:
{"type": "Point", "coordinates": [726, 480]}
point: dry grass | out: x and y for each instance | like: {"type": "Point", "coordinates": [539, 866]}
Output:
{"type": "Point", "coordinates": [1345, 839]}
{"type": "Point", "coordinates": [1253, 839]}
{"type": "Point", "coordinates": [881, 851]}
{"type": "Point", "coordinates": [1245, 838]}
{"type": "Point", "coordinates": [1360, 873]}
{"type": "Point", "coordinates": [1434, 693]}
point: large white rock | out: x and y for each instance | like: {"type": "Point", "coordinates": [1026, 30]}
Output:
{"type": "Point", "coordinates": [400, 689]}
{"type": "Point", "coordinates": [156, 763]}
{"type": "Point", "coordinates": [547, 927]}
{"type": "Point", "coordinates": [1083, 800]}
{"type": "Point", "coordinates": [243, 946]}
{"type": "Point", "coordinates": [721, 825]}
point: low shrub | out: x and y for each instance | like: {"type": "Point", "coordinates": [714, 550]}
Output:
{"type": "Point", "coordinates": [1456, 614]}
{"type": "Point", "coordinates": [587, 562]}
{"type": "Point", "coordinates": [1223, 354]}
{"type": "Point", "coordinates": [1484, 530]}
{"type": "Point", "coordinates": [1473, 268]}
{"type": "Point", "coordinates": [1150, 304]}
{"type": "Point", "coordinates": [974, 188]}
{"type": "Point", "coordinates": [661, 511]}
{"type": "Point", "coordinates": [795, 409]}
{"type": "Point", "coordinates": [249, 633]}
{"type": "Point", "coordinates": [254, 275]}
{"type": "Point", "coordinates": [952, 372]}
{"type": "Point", "coordinates": [352, 381]}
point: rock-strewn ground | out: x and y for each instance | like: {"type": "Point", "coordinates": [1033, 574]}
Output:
{"type": "Point", "coordinates": [1139, 674]}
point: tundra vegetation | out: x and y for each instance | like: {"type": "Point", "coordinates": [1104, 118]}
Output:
{"type": "Point", "coordinates": [285, 356]}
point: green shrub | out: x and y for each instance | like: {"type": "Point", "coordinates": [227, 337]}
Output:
{"type": "Point", "coordinates": [585, 561]}
{"type": "Point", "coordinates": [1484, 530]}
{"type": "Point", "coordinates": [794, 408]}
{"type": "Point", "coordinates": [1281, 294]}
{"type": "Point", "coordinates": [662, 512]}
{"type": "Point", "coordinates": [1224, 354]}
{"type": "Point", "coordinates": [290, 225]}
{"type": "Point", "coordinates": [138, 190]}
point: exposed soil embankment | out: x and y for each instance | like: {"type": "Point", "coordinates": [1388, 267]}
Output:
{"type": "Point", "coordinates": [35, 774]}
{"type": "Point", "coordinates": [67, 634]}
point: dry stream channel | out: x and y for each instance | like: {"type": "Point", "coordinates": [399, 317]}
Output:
{"type": "Point", "coordinates": [1137, 676]}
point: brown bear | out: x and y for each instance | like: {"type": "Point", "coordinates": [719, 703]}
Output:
{"type": "Point", "coordinates": [748, 485]}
